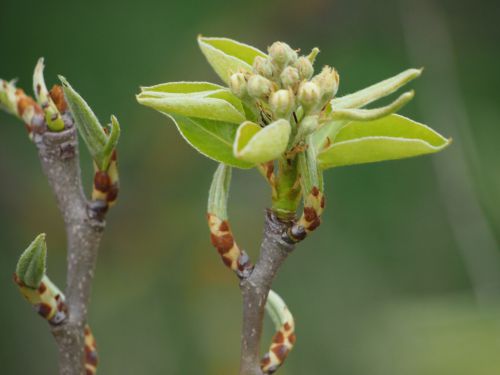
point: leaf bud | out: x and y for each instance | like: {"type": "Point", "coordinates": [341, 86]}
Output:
{"type": "Point", "coordinates": [289, 77]}
{"type": "Point", "coordinates": [259, 87]}
{"type": "Point", "coordinates": [282, 103]}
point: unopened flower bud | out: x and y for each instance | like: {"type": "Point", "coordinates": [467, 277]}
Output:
{"type": "Point", "coordinates": [259, 87]}
{"type": "Point", "coordinates": [282, 54]}
{"type": "Point", "coordinates": [289, 77]}
{"type": "Point", "coordinates": [282, 103]}
{"type": "Point", "coordinates": [304, 67]}
{"type": "Point", "coordinates": [309, 95]}
{"type": "Point", "coordinates": [263, 66]}
{"type": "Point", "coordinates": [328, 82]}
{"type": "Point", "coordinates": [238, 85]}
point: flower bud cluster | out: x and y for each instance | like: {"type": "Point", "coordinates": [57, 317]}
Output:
{"type": "Point", "coordinates": [284, 81]}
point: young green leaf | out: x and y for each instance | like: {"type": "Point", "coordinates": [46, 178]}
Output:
{"type": "Point", "coordinates": [388, 138]}
{"type": "Point", "coordinates": [214, 139]}
{"type": "Point", "coordinates": [259, 145]}
{"type": "Point", "coordinates": [32, 263]}
{"type": "Point", "coordinates": [371, 114]}
{"type": "Point", "coordinates": [376, 91]}
{"type": "Point", "coordinates": [227, 56]}
{"type": "Point", "coordinates": [219, 192]}
{"type": "Point", "coordinates": [180, 98]}
{"type": "Point", "coordinates": [100, 145]}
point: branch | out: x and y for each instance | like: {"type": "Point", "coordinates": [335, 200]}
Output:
{"type": "Point", "coordinates": [58, 153]}
{"type": "Point", "coordinates": [255, 289]}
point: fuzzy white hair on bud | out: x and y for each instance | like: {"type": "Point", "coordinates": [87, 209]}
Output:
{"type": "Point", "coordinates": [238, 85]}
{"type": "Point", "coordinates": [259, 87]}
{"type": "Point", "coordinates": [305, 68]}
{"type": "Point", "coordinates": [282, 103]}
{"type": "Point", "coordinates": [282, 54]}
{"type": "Point", "coordinates": [263, 66]}
{"type": "Point", "coordinates": [309, 95]}
{"type": "Point", "coordinates": [289, 77]}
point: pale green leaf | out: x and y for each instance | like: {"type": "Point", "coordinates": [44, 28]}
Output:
{"type": "Point", "coordinates": [227, 56]}
{"type": "Point", "coordinates": [392, 137]}
{"type": "Point", "coordinates": [194, 99]}
{"type": "Point", "coordinates": [213, 139]}
{"type": "Point", "coordinates": [259, 145]}
{"type": "Point", "coordinates": [31, 265]}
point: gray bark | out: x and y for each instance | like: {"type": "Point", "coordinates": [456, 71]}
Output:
{"type": "Point", "coordinates": [255, 289]}
{"type": "Point", "coordinates": [58, 153]}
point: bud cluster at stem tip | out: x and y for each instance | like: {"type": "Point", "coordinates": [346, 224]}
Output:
{"type": "Point", "coordinates": [283, 82]}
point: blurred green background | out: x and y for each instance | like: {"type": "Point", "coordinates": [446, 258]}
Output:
{"type": "Point", "coordinates": [401, 278]}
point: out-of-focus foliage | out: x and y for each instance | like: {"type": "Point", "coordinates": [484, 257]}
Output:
{"type": "Point", "coordinates": [379, 289]}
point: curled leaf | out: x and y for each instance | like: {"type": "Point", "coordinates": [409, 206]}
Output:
{"type": "Point", "coordinates": [284, 339]}
{"type": "Point", "coordinates": [259, 145]}
{"type": "Point", "coordinates": [371, 114]}
{"type": "Point", "coordinates": [391, 137]}
{"type": "Point", "coordinates": [219, 192]}
{"type": "Point", "coordinates": [310, 175]}
{"type": "Point", "coordinates": [32, 263]}
{"type": "Point", "coordinates": [227, 56]}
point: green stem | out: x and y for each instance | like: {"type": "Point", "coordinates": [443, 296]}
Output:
{"type": "Point", "coordinates": [287, 189]}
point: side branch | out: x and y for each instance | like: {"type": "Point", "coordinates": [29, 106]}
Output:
{"type": "Point", "coordinates": [255, 289]}
{"type": "Point", "coordinates": [58, 153]}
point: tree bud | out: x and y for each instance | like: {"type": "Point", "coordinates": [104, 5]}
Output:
{"type": "Point", "coordinates": [282, 103]}
{"type": "Point", "coordinates": [289, 77]}
{"type": "Point", "coordinates": [259, 87]}
{"type": "Point", "coordinates": [309, 95]}
{"type": "Point", "coordinates": [238, 85]}
{"type": "Point", "coordinates": [305, 68]}
{"type": "Point", "coordinates": [282, 54]}
{"type": "Point", "coordinates": [263, 66]}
